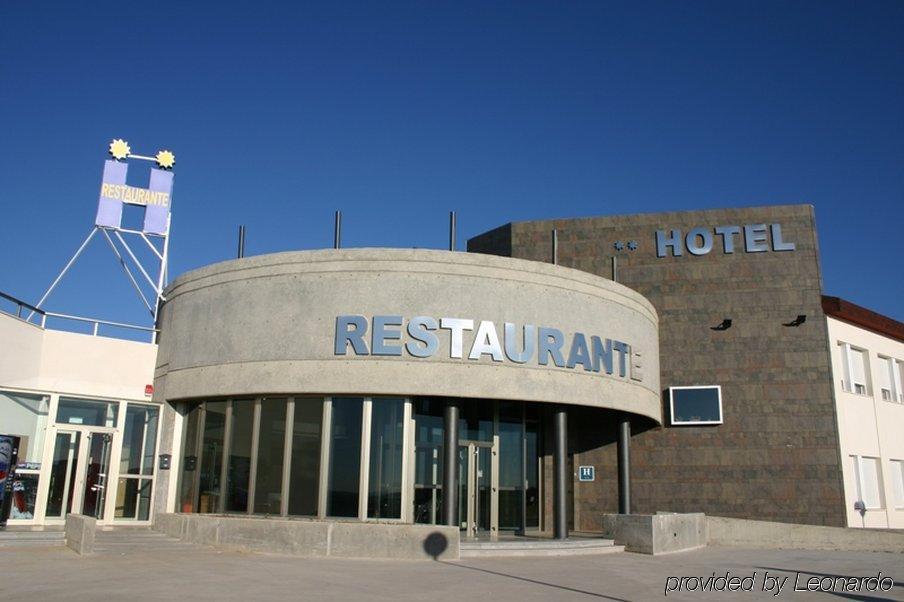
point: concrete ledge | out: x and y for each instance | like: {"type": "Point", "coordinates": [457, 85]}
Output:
{"type": "Point", "coordinates": [301, 537]}
{"type": "Point", "coordinates": [80, 531]}
{"type": "Point", "coordinates": [656, 533]}
{"type": "Point", "coordinates": [771, 535]}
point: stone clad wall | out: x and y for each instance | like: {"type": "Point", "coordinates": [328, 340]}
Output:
{"type": "Point", "coordinates": [776, 457]}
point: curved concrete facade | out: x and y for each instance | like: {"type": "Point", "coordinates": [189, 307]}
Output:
{"type": "Point", "coordinates": [268, 325]}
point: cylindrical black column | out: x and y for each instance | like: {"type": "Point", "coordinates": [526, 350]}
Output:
{"type": "Point", "coordinates": [241, 250]}
{"type": "Point", "coordinates": [560, 474]}
{"type": "Point", "coordinates": [555, 246]}
{"type": "Point", "coordinates": [337, 231]}
{"type": "Point", "coordinates": [450, 464]}
{"type": "Point", "coordinates": [624, 465]}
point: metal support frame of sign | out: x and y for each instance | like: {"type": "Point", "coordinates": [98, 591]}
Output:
{"type": "Point", "coordinates": [155, 233]}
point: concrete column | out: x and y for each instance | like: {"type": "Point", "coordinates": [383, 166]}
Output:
{"type": "Point", "coordinates": [560, 473]}
{"type": "Point", "coordinates": [624, 465]}
{"type": "Point", "coordinates": [450, 463]}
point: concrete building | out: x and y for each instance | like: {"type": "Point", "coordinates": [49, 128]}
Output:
{"type": "Point", "coordinates": [683, 362]}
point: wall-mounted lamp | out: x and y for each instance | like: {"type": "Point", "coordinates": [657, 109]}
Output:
{"type": "Point", "coordinates": [725, 325]}
{"type": "Point", "coordinates": [800, 319]}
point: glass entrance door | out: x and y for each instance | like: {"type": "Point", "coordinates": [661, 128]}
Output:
{"type": "Point", "coordinates": [78, 476]}
{"type": "Point", "coordinates": [63, 473]}
{"type": "Point", "coordinates": [96, 469]}
{"type": "Point", "coordinates": [476, 492]}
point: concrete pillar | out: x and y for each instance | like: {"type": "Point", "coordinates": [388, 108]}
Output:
{"type": "Point", "coordinates": [450, 463]}
{"type": "Point", "coordinates": [560, 473]}
{"type": "Point", "coordinates": [624, 465]}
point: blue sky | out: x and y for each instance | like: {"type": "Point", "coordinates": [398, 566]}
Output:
{"type": "Point", "coordinates": [396, 113]}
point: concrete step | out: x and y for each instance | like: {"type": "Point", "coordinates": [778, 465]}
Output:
{"type": "Point", "coordinates": [538, 547]}
{"type": "Point", "coordinates": [31, 538]}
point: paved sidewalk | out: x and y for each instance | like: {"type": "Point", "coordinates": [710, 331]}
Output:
{"type": "Point", "coordinates": [201, 573]}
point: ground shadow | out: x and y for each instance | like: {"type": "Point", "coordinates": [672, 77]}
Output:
{"type": "Point", "coordinates": [535, 581]}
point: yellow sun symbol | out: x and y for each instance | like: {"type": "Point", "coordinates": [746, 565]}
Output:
{"type": "Point", "coordinates": [165, 159]}
{"type": "Point", "coordinates": [119, 148]}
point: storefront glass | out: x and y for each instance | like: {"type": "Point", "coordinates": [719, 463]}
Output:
{"type": "Point", "coordinates": [238, 472]}
{"type": "Point", "coordinates": [304, 477]}
{"type": "Point", "coordinates": [271, 446]}
{"type": "Point", "coordinates": [212, 441]}
{"type": "Point", "coordinates": [386, 454]}
{"type": "Point", "coordinates": [345, 457]}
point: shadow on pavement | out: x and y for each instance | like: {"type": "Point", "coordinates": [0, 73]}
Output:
{"type": "Point", "coordinates": [553, 585]}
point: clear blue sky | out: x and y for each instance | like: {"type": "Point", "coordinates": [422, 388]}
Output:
{"type": "Point", "coordinates": [396, 113]}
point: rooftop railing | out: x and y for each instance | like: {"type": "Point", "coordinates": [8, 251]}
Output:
{"type": "Point", "coordinates": [29, 313]}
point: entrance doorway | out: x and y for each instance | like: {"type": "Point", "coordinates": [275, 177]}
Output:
{"type": "Point", "coordinates": [79, 473]}
{"type": "Point", "coordinates": [477, 496]}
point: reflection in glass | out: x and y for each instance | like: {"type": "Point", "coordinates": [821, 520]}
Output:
{"type": "Point", "coordinates": [25, 494]}
{"type": "Point", "coordinates": [139, 440]}
{"type": "Point", "coordinates": [271, 443]}
{"type": "Point", "coordinates": [187, 488]}
{"type": "Point", "coordinates": [511, 465]}
{"type": "Point", "coordinates": [532, 468]}
{"type": "Point", "coordinates": [384, 494]}
{"type": "Point", "coordinates": [345, 456]}
{"type": "Point", "coordinates": [96, 485]}
{"type": "Point", "coordinates": [305, 474]}
{"type": "Point", "coordinates": [62, 474]}
{"type": "Point", "coordinates": [87, 412]}
{"type": "Point", "coordinates": [25, 416]}
{"type": "Point", "coordinates": [133, 498]}
{"type": "Point", "coordinates": [239, 470]}
{"type": "Point", "coordinates": [428, 461]}
{"type": "Point", "coordinates": [475, 422]}
{"type": "Point", "coordinates": [212, 457]}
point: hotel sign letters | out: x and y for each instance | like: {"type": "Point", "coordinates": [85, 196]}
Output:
{"type": "Point", "coordinates": [418, 337]}
{"type": "Point", "coordinates": [752, 238]}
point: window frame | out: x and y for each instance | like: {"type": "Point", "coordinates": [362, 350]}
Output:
{"type": "Point", "coordinates": [673, 422]}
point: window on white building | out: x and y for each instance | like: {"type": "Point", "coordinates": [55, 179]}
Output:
{"type": "Point", "coordinates": [856, 369]}
{"type": "Point", "coordinates": [897, 380]}
{"type": "Point", "coordinates": [886, 379]}
{"type": "Point", "coordinates": [868, 476]}
{"type": "Point", "coordinates": [897, 477]}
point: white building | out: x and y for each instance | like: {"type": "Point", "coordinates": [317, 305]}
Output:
{"type": "Point", "coordinates": [87, 426]}
{"type": "Point", "coordinates": [867, 364]}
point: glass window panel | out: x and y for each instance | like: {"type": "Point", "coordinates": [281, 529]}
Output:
{"type": "Point", "coordinates": [304, 481]}
{"type": "Point", "coordinates": [25, 416]}
{"type": "Point", "coordinates": [511, 466]}
{"type": "Point", "coordinates": [87, 412]}
{"type": "Point", "coordinates": [62, 474]}
{"type": "Point", "coordinates": [139, 440]}
{"type": "Point", "coordinates": [697, 404]}
{"type": "Point", "coordinates": [271, 443]}
{"type": "Point", "coordinates": [345, 456]}
{"type": "Point", "coordinates": [428, 460]}
{"type": "Point", "coordinates": [238, 472]}
{"type": "Point", "coordinates": [212, 440]}
{"type": "Point", "coordinates": [384, 494]}
{"type": "Point", "coordinates": [475, 422]}
{"type": "Point", "coordinates": [189, 459]}
{"type": "Point", "coordinates": [532, 468]}
{"type": "Point", "coordinates": [133, 498]}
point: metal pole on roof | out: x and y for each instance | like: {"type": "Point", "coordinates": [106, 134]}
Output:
{"type": "Point", "coordinates": [451, 230]}
{"type": "Point", "coordinates": [337, 231]}
{"type": "Point", "coordinates": [241, 250]}
{"type": "Point", "coordinates": [555, 247]}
